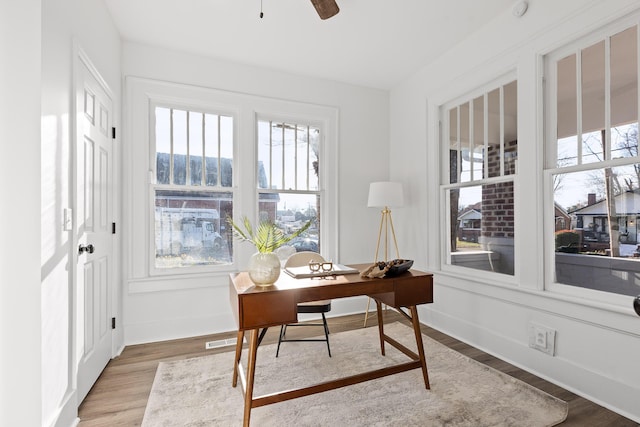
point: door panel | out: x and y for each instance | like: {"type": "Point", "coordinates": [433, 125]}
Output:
{"type": "Point", "coordinates": [94, 216]}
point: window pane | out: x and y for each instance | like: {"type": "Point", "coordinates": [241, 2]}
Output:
{"type": "Point", "coordinates": [600, 210]}
{"type": "Point", "coordinates": [275, 142]}
{"type": "Point", "coordinates": [179, 122]}
{"type": "Point", "coordinates": [567, 112]}
{"type": "Point", "coordinates": [465, 164]}
{"type": "Point", "coordinates": [477, 155]}
{"type": "Point", "coordinates": [453, 145]}
{"type": "Point", "coordinates": [311, 160]}
{"type": "Point", "coordinates": [624, 77]}
{"type": "Point", "coordinates": [288, 156]}
{"type": "Point", "coordinates": [163, 145]}
{"type": "Point", "coordinates": [226, 151]}
{"type": "Point", "coordinates": [195, 148]}
{"type": "Point", "coordinates": [191, 229]}
{"type": "Point", "coordinates": [211, 127]}
{"type": "Point", "coordinates": [290, 211]}
{"type": "Point", "coordinates": [510, 128]}
{"type": "Point", "coordinates": [592, 146]}
{"type": "Point", "coordinates": [593, 111]}
{"type": "Point", "coordinates": [624, 141]}
{"type": "Point", "coordinates": [495, 129]}
{"type": "Point", "coordinates": [193, 137]}
{"type": "Point", "coordinates": [624, 94]}
{"type": "Point", "coordinates": [484, 227]}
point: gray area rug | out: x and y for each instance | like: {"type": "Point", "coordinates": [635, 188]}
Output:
{"type": "Point", "coordinates": [198, 392]}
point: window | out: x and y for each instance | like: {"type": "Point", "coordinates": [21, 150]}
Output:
{"type": "Point", "coordinates": [196, 161]}
{"type": "Point", "coordinates": [480, 146]}
{"type": "Point", "coordinates": [592, 162]}
{"type": "Point", "coordinates": [289, 179]}
{"type": "Point", "coordinates": [192, 191]}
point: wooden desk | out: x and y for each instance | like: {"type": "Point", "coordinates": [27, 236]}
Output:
{"type": "Point", "coordinates": [258, 307]}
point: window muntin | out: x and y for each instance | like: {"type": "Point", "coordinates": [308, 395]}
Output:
{"type": "Point", "coordinates": [482, 156]}
{"type": "Point", "coordinates": [289, 178]}
{"type": "Point", "coordinates": [596, 170]}
{"type": "Point", "coordinates": [192, 193]}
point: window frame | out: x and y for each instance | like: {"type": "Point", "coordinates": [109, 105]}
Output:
{"type": "Point", "coordinates": [138, 246]}
{"type": "Point", "coordinates": [550, 167]}
{"type": "Point", "coordinates": [445, 185]}
{"type": "Point", "coordinates": [153, 185]}
{"type": "Point", "coordinates": [326, 175]}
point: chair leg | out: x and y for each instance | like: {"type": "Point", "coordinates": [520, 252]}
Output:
{"type": "Point", "coordinates": [280, 337]}
{"type": "Point", "coordinates": [326, 332]}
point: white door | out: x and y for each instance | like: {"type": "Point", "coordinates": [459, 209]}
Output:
{"type": "Point", "coordinates": [94, 199]}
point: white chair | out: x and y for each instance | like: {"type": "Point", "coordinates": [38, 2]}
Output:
{"type": "Point", "coordinates": [300, 259]}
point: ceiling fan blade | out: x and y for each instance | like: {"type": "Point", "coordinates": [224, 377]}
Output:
{"type": "Point", "coordinates": [326, 8]}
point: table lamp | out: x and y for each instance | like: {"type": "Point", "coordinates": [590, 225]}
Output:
{"type": "Point", "coordinates": [385, 195]}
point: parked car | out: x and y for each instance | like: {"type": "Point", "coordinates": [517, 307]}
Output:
{"type": "Point", "coordinates": [304, 244]}
{"type": "Point", "coordinates": [571, 248]}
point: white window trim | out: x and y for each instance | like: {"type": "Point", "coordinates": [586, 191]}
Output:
{"type": "Point", "coordinates": [139, 247]}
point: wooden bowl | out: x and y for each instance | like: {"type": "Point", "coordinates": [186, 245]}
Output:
{"type": "Point", "coordinates": [399, 266]}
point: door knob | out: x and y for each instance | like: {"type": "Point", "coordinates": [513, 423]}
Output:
{"type": "Point", "coordinates": [87, 248]}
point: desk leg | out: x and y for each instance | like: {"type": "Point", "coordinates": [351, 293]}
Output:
{"type": "Point", "coordinates": [380, 326]}
{"type": "Point", "coordinates": [418, 334]}
{"type": "Point", "coordinates": [251, 370]}
{"type": "Point", "coordinates": [237, 359]}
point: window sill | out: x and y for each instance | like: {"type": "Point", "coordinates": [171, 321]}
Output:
{"type": "Point", "coordinates": [178, 282]}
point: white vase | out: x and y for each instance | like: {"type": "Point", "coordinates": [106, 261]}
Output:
{"type": "Point", "coordinates": [264, 268]}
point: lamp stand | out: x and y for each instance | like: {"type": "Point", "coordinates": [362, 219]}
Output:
{"type": "Point", "coordinates": [386, 223]}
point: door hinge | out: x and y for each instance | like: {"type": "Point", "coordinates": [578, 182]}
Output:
{"type": "Point", "coordinates": [113, 228]}
{"type": "Point", "coordinates": [113, 132]}
{"type": "Point", "coordinates": [113, 323]}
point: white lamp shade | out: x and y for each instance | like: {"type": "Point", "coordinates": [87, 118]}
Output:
{"type": "Point", "coordinates": [385, 194]}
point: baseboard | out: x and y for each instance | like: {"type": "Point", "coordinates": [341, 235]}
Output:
{"type": "Point", "coordinates": [67, 415]}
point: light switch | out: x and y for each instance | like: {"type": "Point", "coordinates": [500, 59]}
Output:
{"type": "Point", "coordinates": [67, 219]}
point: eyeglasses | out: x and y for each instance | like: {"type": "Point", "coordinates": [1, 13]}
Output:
{"type": "Point", "coordinates": [315, 266]}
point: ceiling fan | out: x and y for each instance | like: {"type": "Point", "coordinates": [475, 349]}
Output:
{"type": "Point", "coordinates": [326, 8]}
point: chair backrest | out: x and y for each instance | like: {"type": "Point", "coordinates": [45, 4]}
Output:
{"type": "Point", "coordinates": [300, 259]}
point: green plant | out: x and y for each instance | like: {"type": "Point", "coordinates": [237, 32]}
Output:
{"type": "Point", "coordinates": [566, 238]}
{"type": "Point", "coordinates": [266, 237]}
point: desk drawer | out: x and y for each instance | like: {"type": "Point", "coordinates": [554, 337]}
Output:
{"type": "Point", "coordinates": [263, 310]}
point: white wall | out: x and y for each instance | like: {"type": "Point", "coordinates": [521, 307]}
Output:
{"type": "Point", "coordinates": [154, 309]}
{"type": "Point", "coordinates": [20, 329]}
{"type": "Point", "coordinates": [597, 346]}
{"type": "Point", "coordinates": [87, 23]}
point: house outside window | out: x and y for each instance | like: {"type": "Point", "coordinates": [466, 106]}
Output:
{"type": "Point", "coordinates": [480, 146]}
{"type": "Point", "coordinates": [592, 164]}
{"type": "Point", "coordinates": [193, 196]}
{"type": "Point", "coordinates": [289, 167]}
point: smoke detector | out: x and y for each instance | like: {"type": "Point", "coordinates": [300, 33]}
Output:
{"type": "Point", "coordinates": [520, 8]}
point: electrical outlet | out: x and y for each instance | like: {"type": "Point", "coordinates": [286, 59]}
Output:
{"type": "Point", "coordinates": [542, 338]}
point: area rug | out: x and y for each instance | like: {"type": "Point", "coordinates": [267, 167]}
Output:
{"type": "Point", "coordinates": [198, 392]}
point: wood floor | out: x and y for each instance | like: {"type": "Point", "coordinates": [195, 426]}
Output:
{"type": "Point", "coordinates": [120, 395]}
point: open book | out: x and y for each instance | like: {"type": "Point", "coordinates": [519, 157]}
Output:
{"type": "Point", "coordinates": [304, 272]}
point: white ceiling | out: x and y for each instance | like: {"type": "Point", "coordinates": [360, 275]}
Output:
{"type": "Point", "coordinates": [374, 43]}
